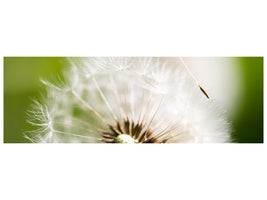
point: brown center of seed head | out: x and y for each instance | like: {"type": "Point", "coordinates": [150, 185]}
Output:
{"type": "Point", "coordinates": [136, 131]}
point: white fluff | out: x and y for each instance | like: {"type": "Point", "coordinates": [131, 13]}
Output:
{"type": "Point", "coordinates": [98, 91]}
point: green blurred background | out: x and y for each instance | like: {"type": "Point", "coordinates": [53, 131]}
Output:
{"type": "Point", "coordinates": [22, 83]}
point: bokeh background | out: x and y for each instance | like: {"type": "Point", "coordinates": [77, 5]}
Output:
{"type": "Point", "coordinates": [22, 84]}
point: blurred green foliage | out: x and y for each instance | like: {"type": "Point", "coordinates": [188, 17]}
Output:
{"type": "Point", "coordinates": [248, 127]}
{"type": "Point", "coordinates": [22, 83]}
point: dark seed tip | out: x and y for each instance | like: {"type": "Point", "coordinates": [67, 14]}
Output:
{"type": "Point", "coordinates": [204, 92]}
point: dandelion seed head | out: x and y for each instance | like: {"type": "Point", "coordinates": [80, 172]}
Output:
{"type": "Point", "coordinates": [126, 100]}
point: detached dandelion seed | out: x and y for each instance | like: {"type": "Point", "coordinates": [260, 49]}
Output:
{"type": "Point", "coordinates": [126, 100]}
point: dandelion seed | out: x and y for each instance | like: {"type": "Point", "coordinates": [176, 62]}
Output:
{"type": "Point", "coordinates": [127, 100]}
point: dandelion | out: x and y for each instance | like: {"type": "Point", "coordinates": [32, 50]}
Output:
{"type": "Point", "coordinates": [127, 100]}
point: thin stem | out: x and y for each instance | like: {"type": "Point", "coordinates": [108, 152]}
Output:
{"type": "Point", "coordinates": [104, 98]}
{"type": "Point", "coordinates": [124, 91]}
{"type": "Point", "coordinates": [71, 125]}
{"type": "Point", "coordinates": [82, 121]}
{"type": "Point", "coordinates": [194, 78]}
{"type": "Point", "coordinates": [76, 135]}
{"type": "Point", "coordinates": [116, 94]}
{"type": "Point", "coordinates": [155, 112]}
{"type": "Point", "coordinates": [88, 106]}
{"type": "Point", "coordinates": [147, 107]}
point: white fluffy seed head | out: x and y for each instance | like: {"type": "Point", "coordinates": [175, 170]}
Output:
{"type": "Point", "coordinates": [149, 99]}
